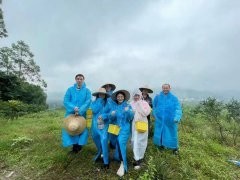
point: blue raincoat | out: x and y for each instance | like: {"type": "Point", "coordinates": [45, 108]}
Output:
{"type": "Point", "coordinates": [123, 119]}
{"type": "Point", "coordinates": [100, 136]}
{"type": "Point", "coordinates": [80, 98]}
{"type": "Point", "coordinates": [111, 137]}
{"type": "Point", "coordinates": [168, 113]}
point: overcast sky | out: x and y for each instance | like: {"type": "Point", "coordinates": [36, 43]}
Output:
{"type": "Point", "coordinates": [189, 44]}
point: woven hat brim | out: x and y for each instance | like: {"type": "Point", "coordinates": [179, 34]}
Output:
{"type": "Point", "coordinates": [125, 92]}
{"type": "Point", "coordinates": [96, 93]}
{"type": "Point", "coordinates": [149, 90]}
{"type": "Point", "coordinates": [112, 85]}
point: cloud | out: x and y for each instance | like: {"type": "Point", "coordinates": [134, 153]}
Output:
{"type": "Point", "coordinates": [192, 45]}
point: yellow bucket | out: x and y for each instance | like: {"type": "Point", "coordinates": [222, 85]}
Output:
{"type": "Point", "coordinates": [113, 129]}
{"type": "Point", "coordinates": [89, 112]}
{"type": "Point", "coordinates": [141, 126]}
{"type": "Point", "coordinates": [89, 123]}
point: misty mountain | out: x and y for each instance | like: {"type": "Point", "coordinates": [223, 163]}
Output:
{"type": "Point", "coordinates": [55, 99]}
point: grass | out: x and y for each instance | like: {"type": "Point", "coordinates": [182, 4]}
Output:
{"type": "Point", "coordinates": [30, 148]}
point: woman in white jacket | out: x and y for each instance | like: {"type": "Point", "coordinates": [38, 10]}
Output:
{"type": "Point", "coordinates": [139, 139]}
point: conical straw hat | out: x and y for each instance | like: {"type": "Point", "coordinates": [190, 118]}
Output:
{"type": "Point", "coordinates": [74, 124]}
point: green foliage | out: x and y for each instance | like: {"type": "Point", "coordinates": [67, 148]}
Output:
{"type": "Point", "coordinates": [19, 61]}
{"type": "Point", "coordinates": [3, 31]}
{"type": "Point", "coordinates": [5, 60]}
{"type": "Point", "coordinates": [212, 111]}
{"type": "Point", "coordinates": [201, 155]}
{"type": "Point", "coordinates": [233, 118]}
{"type": "Point", "coordinates": [150, 172]}
{"type": "Point", "coordinates": [233, 108]}
{"type": "Point", "coordinates": [21, 142]}
{"type": "Point", "coordinates": [32, 94]}
{"type": "Point", "coordinates": [12, 109]}
{"type": "Point", "coordinates": [12, 88]}
{"type": "Point", "coordinates": [20, 82]}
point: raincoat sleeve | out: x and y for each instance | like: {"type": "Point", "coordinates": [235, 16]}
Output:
{"type": "Point", "coordinates": [178, 111]}
{"type": "Point", "coordinates": [111, 117]}
{"type": "Point", "coordinates": [67, 101]}
{"type": "Point", "coordinates": [85, 106]}
{"type": "Point", "coordinates": [129, 113]}
{"type": "Point", "coordinates": [143, 108]}
{"type": "Point", "coordinates": [96, 105]}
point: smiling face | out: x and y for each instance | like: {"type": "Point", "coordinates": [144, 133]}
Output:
{"type": "Point", "coordinates": [136, 97]}
{"type": "Point", "coordinates": [120, 98]}
{"type": "Point", "coordinates": [166, 88]}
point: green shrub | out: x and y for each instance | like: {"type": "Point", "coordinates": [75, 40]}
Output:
{"type": "Point", "coordinates": [12, 109]}
{"type": "Point", "coordinates": [150, 171]}
{"type": "Point", "coordinates": [21, 142]}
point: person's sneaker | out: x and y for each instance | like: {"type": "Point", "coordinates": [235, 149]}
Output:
{"type": "Point", "coordinates": [120, 171]}
{"type": "Point", "coordinates": [137, 167]}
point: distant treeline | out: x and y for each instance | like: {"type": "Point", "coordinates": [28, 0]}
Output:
{"type": "Point", "coordinates": [21, 86]}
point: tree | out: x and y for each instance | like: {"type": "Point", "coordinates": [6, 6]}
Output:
{"type": "Point", "coordinates": [19, 60]}
{"type": "Point", "coordinates": [21, 56]}
{"type": "Point", "coordinates": [6, 63]}
{"type": "Point", "coordinates": [212, 110]}
{"type": "Point", "coordinates": [233, 118]}
{"type": "Point", "coordinates": [13, 88]}
{"type": "Point", "coordinates": [32, 94]}
{"type": "Point", "coordinates": [9, 87]}
{"type": "Point", "coordinates": [3, 31]}
{"type": "Point", "coordinates": [26, 68]}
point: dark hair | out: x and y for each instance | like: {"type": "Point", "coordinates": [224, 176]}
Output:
{"type": "Point", "coordinates": [166, 84]}
{"type": "Point", "coordinates": [147, 95]}
{"type": "Point", "coordinates": [118, 94]}
{"type": "Point", "coordinates": [80, 76]}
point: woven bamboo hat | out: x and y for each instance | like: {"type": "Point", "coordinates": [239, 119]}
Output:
{"type": "Point", "coordinates": [74, 124]}
{"type": "Point", "coordinates": [101, 91]}
{"type": "Point", "coordinates": [125, 92]}
{"type": "Point", "coordinates": [147, 88]}
{"type": "Point", "coordinates": [113, 87]}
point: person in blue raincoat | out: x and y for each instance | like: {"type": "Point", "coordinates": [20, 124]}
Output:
{"type": "Point", "coordinates": [76, 100]}
{"type": "Point", "coordinates": [121, 114]}
{"type": "Point", "coordinates": [110, 89]}
{"type": "Point", "coordinates": [168, 113]}
{"type": "Point", "coordinates": [99, 130]}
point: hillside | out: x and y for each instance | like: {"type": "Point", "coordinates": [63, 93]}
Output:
{"type": "Point", "coordinates": [30, 148]}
